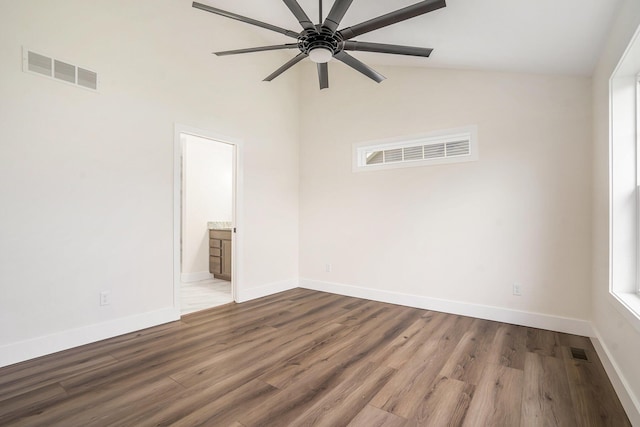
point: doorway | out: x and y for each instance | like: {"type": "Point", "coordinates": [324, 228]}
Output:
{"type": "Point", "coordinates": [206, 169]}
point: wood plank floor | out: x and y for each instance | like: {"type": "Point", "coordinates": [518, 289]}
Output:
{"type": "Point", "coordinates": [303, 358]}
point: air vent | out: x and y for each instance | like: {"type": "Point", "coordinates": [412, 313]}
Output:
{"type": "Point", "coordinates": [87, 79]}
{"type": "Point", "coordinates": [579, 354]}
{"type": "Point", "coordinates": [59, 70]}
{"type": "Point", "coordinates": [64, 71]}
{"type": "Point", "coordinates": [39, 64]}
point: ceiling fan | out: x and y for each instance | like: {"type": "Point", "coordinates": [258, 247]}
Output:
{"type": "Point", "coordinates": [323, 42]}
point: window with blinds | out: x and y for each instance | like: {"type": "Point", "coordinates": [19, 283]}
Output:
{"type": "Point", "coordinates": [452, 146]}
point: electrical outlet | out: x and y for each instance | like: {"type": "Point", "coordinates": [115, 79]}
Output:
{"type": "Point", "coordinates": [327, 268]}
{"type": "Point", "coordinates": [105, 298]}
{"type": "Point", "coordinates": [517, 289]}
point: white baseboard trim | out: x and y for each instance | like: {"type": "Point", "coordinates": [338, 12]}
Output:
{"type": "Point", "coordinates": [244, 295]}
{"type": "Point", "coordinates": [629, 401]}
{"type": "Point", "coordinates": [48, 344]}
{"type": "Point", "coordinates": [499, 314]}
{"type": "Point", "coordinates": [195, 277]}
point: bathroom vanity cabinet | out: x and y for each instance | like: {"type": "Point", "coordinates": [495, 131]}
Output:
{"type": "Point", "coordinates": [220, 254]}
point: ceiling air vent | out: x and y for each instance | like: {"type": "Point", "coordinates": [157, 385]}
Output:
{"type": "Point", "coordinates": [443, 147]}
{"type": "Point", "coordinates": [59, 70]}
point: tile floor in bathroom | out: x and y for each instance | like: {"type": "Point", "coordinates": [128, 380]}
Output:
{"type": "Point", "coordinates": [196, 296]}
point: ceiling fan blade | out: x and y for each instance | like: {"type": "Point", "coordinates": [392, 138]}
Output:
{"type": "Point", "coordinates": [393, 18]}
{"type": "Point", "coordinates": [286, 66]}
{"type": "Point", "coordinates": [323, 75]}
{"type": "Point", "coordinates": [359, 66]}
{"type": "Point", "coordinates": [258, 49]}
{"type": "Point", "coordinates": [300, 15]}
{"type": "Point", "coordinates": [245, 19]}
{"type": "Point", "coordinates": [387, 48]}
{"type": "Point", "coordinates": [336, 14]}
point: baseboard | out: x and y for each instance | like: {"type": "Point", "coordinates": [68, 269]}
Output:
{"type": "Point", "coordinates": [195, 277]}
{"type": "Point", "coordinates": [244, 295]}
{"type": "Point", "coordinates": [629, 401]}
{"type": "Point", "coordinates": [41, 346]}
{"type": "Point", "coordinates": [499, 314]}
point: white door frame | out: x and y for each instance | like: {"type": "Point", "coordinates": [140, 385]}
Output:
{"type": "Point", "coordinates": [236, 245]}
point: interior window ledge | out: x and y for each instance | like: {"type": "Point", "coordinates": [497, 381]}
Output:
{"type": "Point", "coordinates": [628, 304]}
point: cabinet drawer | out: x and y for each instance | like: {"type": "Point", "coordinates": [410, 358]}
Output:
{"type": "Point", "coordinates": [215, 243]}
{"type": "Point", "coordinates": [215, 252]}
{"type": "Point", "coordinates": [214, 265]}
{"type": "Point", "coordinates": [220, 234]}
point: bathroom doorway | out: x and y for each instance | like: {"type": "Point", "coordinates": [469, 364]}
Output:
{"type": "Point", "coordinates": [207, 221]}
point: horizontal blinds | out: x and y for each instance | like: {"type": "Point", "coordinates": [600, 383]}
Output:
{"type": "Point", "coordinates": [419, 152]}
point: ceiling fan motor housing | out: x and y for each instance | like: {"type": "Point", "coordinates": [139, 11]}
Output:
{"type": "Point", "coordinates": [323, 38]}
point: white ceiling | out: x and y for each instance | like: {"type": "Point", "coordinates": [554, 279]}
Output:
{"type": "Point", "coordinates": [539, 36]}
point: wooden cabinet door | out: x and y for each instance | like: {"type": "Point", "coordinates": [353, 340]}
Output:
{"type": "Point", "coordinates": [226, 258]}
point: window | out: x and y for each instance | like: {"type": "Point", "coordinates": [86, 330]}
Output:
{"type": "Point", "coordinates": [624, 257]}
{"type": "Point", "coordinates": [450, 146]}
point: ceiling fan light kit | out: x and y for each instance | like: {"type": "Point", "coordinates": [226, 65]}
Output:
{"type": "Point", "coordinates": [320, 55]}
{"type": "Point", "coordinates": [323, 42]}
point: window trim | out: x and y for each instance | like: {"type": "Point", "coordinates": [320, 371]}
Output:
{"type": "Point", "coordinates": [637, 159]}
{"type": "Point", "coordinates": [432, 138]}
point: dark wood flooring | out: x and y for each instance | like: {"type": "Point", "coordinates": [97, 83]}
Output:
{"type": "Point", "coordinates": [303, 358]}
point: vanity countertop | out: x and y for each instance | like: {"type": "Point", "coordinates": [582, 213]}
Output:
{"type": "Point", "coordinates": [219, 225]}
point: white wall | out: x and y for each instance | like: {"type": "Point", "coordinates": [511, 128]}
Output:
{"type": "Point", "coordinates": [465, 232]}
{"type": "Point", "coordinates": [86, 179]}
{"type": "Point", "coordinates": [208, 196]}
{"type": "Point", "coordinates": [615, 333]}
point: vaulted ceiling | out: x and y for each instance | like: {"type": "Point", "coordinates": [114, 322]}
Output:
{"type": "Point", "coordinates": [539, 36]}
